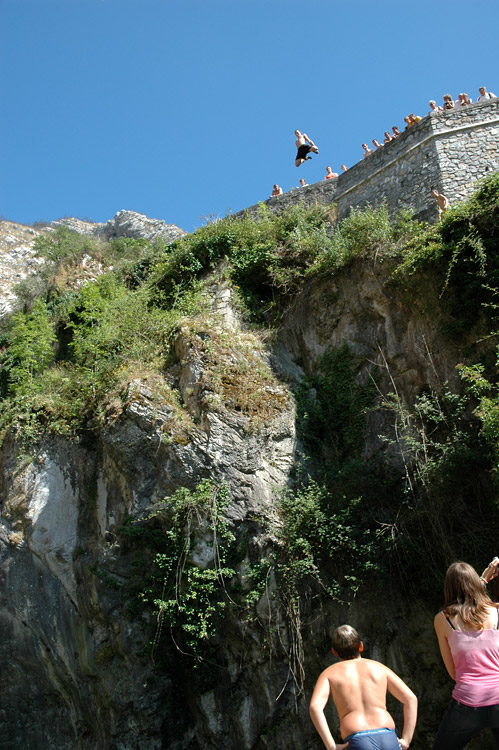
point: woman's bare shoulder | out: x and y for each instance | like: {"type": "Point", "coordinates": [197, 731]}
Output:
{"type": "Point", "coordinates": [440, 622]}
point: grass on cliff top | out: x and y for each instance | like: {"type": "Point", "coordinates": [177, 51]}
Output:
{"type": "Point", "coordinates": [78, 341]}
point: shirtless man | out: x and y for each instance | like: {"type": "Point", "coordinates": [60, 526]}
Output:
{"type": "Point", "coordinates": [304, 146]}
{"type": "Point", "coordinates": [358, 688]}
{"type": "Point", "coordinates": [367, 150]}
{"type": "Point", "coordinates": [442, 202]}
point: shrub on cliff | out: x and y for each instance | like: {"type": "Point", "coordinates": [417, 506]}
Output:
{"type": "Point", "coordinates": [461, 254]}
{"type": "Point", "coordinates": [30, 348]}
{"type": "Point", "coordinates": [265, 258]}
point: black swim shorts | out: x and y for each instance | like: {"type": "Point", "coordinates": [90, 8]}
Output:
{"type": "Point", "coordinates": [303, 151]}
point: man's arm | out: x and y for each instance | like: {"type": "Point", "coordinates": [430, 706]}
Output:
{"type": "Point", "coordinates": [308, 140]}
{"type": "Point", "coordinates": [404, 694]}
{"type": "Point", "coordinates": [317, 704]}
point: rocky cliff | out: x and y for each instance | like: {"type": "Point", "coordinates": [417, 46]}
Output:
{"type": "Point", "coordinates": [18, 259]}
{"type": "Point", "coordinates": [85, 665]}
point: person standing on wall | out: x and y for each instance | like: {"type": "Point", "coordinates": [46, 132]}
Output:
{"type": "Point", "coordinates": [485, 95]}
{"type": "Point", "coordinates": [442, 203]}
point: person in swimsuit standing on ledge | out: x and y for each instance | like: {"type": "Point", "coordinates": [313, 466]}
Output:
{"type": "Point", "coordinates": [358, 688]}
{"type": "Point", "coordinates": [304, 145]}
{"type": "Point", "coordinates": [467, 629]}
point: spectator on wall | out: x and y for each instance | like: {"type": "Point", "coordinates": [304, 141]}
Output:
{"type": "Point", "coordinates": [411, 120]}
{"type": "Point", "coordinates": [303, 182]}
{"type": "Point", "coordinates": [344, 167]}
{"type": "Point", "coordinates": [367, 150]}
{"type": "Point", "coordinates": [484, 94]}
{"type": "Point", "coordinates": [448, 102]}
{"type": "Point", "coordinates": [276, 191]}
{"type": "Point", "coordinates": [330, 174]}
{"type": "Point", "coordinates": [395, 131]}
{"type": "Point", "coordinates": [377, 144]}
{"type": "Point", "coordinates": [434, 107]}
{"type": "Point", "coordinates": [388, 137]}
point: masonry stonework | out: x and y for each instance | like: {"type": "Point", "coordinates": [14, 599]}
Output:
{"type": "Point", "coordinates": [449, 151]}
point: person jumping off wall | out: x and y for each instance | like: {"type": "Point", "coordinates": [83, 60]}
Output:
{"type": "Point", "coordinates": [304, 145]}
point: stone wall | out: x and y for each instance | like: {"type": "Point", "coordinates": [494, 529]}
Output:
{"type": "Point", "coordinates": [448, 151]}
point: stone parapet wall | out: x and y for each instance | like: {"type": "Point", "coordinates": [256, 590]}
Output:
{"type": "Point", "coordinates": [468, 148]}
{"type": "Point", "coordinates": [448, 151]}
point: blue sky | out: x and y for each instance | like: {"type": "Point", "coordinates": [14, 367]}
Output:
{"type": "Point", "coordinates": [182, 109]}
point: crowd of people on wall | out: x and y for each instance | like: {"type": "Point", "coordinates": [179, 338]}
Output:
{"type": "Point", "coordinates": [412, 119]}
{"type": "Point", "coordinates": [461, 101]}
{"type": "Point", "coordinates": [305, 146]}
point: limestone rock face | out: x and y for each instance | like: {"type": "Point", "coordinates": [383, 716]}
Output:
{"type": "Point", "coordinates": [76, 674]}
{"type": "Point", "coordinates": [60, 515]}
{"type": "Point", "coordinates": [398, 344]}
{"type": "Point", "coordinates": [17, 255]}
{"type": "Point", "coordinates": [133, 224]}
{"type": "Point", "coordinates": [16, 260]}
{"type": "Point", "coordinates": [124, 224]}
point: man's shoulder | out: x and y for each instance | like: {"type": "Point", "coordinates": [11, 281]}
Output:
{"type": "Point", "coordinates": [375, 666]}
{"type": "Point", "coordinates": [333, 669]}
{"type": "Point", "coordinates": [334, 672]}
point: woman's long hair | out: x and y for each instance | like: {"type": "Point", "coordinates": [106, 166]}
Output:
{"type": "Point", "coordinates": [465, 596]}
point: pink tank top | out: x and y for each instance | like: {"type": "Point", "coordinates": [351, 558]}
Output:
{"type": "Point", "coordinates": [476, 658]}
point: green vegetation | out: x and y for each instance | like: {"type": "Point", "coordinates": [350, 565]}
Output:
{"type": "Point", "coordinates": [101, 331]}
{"type": "Point", "coordinates": [461, 255]}
{"type": "Point", "coordinates": [350, 520]}
{"type": "Point", "coordinates": [187, 574]}
{"type": "Point", "coordinates": [331, 413]}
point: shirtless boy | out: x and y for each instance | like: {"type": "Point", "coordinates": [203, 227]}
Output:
{"type": "Point", "coordinates": [304, 146]}
{"type": "Point", "coordinates": [358, 688]}
{"type": "Point", "coordinates": [442, 202]}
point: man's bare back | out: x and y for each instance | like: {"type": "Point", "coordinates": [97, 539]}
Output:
{"type": "Point", "coordinates": [442, 202]}
{"type": "Point", "coordinates": [358, 688]}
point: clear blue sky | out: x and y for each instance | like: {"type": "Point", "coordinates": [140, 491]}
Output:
{"type": "Point", "coordinates": [181, 109]}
